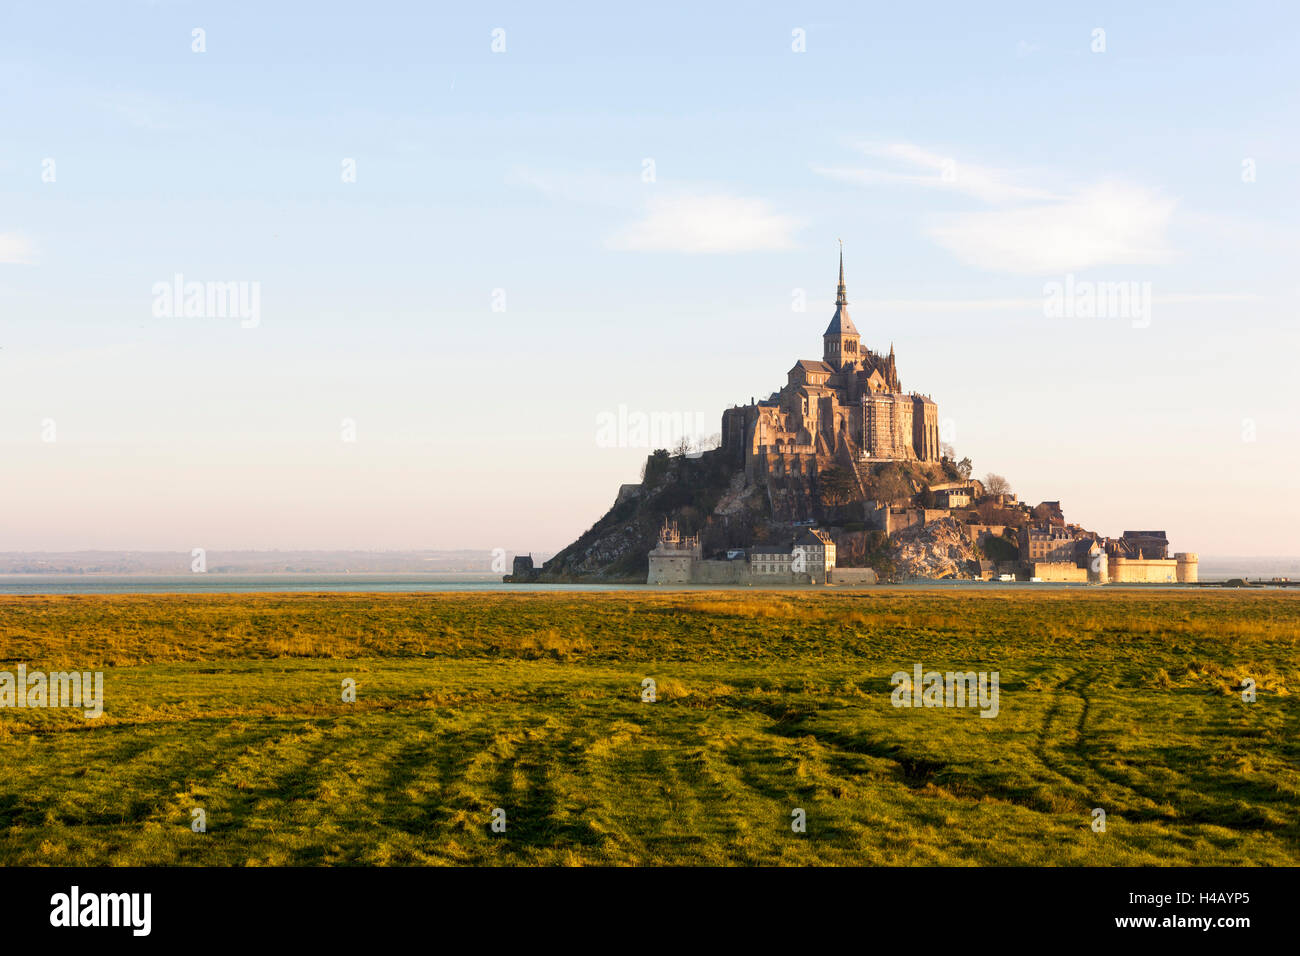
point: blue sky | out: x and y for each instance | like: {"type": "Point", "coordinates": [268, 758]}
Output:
{"type": "Point", "coordinates": [502, 271]}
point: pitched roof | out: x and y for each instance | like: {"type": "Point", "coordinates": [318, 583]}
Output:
{"type": "Point", "coordinates": [815, 537]}
{"type": "Point", "coordinates": [841, 324]}
{"type": "Point", "coordinates": [814, 366]}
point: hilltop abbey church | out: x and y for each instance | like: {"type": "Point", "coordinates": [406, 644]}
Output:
{"type": "Point", "coordinates": [849, 406]}
{"type": "Point", "coordinates": [790, 461]}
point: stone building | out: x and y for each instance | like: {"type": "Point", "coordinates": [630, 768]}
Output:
{"type": "Point", "coordinates": [1051, 552]}
{"type": "Point", "coordinates": [1048, 543]}
{"type": "Point", "coordinates": [849, 406]}
{"type": "Point", "coordinates": [674, 557]}
{"type": "Point", "coordinates": [1142, 544]}
{"type": "Point", "coordinates": [952, 498]}
{"type": "Point", "coordinates": [814, 555]}
{"type": "Point", "coordinates": [522, 571]}
{"type": "Point", "coordinates": [677, 559]}
{"type": "Point", "coordinates": [770, 563]}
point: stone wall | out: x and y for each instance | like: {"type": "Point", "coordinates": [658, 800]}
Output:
{"type": "Point", "coordinates": [978, 532]}
{"type": "Point", "coordinates": [1143, 570]}
{"type": "Point", "coordinates": [722, 572]}
{"type": "Point", "coordinates": [1058, 571]}
{"type": "Point", "coordinates": [898, 519]}
{"type": "Point", "coordinates": [670, 567]}
{"type": "Point", "coordinates": [852, 576]}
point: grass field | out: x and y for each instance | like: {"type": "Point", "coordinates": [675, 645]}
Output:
{"type": "Point", "coordinates": [766, 702]}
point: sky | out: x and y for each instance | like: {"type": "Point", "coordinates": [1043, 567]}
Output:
{"type": "Point", "coordinates": [466, 238]}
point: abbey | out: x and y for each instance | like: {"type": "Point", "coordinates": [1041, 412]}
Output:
{"type": "Point", "coordinates": [835, 479]}
{"type": "Point", "coordinates": [848, 407]}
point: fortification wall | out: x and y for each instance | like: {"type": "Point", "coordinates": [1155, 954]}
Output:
{"type": "Point", "coordinates": [670, 568]}
{"type": "Point", "coordinates": [1143, 570]}
{"type": "Point", "coordinates": [1189, 563]}
{"type": "Point", "coordinates": [978, 533]}
{"type": "Point", "coordinates": [895, 521]}
{"type": "Point", "coordinates": [1058, 571]}
{"type": "Point", "coordinates": [851, 576]}
{"type": "Point", "coordinates": [721, 572]}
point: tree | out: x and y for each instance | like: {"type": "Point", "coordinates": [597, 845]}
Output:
{"type": "Point", "coordinates": [683, 447]}
{"type": "Point", "coordinates": [964, 468]}
{"type": "Point", "coordinates": [655, 467]}
{"type": "Point", "coordinates": [990, 512]}
{"type": "Point", "coordinates": [996, 484]}
{"type": "Point", "coordinates": [889, 483]}
{"type": "Point", "coordinates": [836, 486]}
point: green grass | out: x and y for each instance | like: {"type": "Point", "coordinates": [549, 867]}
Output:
{"type": "Point", "coordinates": [767, 702]}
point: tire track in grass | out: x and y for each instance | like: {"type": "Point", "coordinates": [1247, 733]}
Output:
{"type": "Point", "coordinates": [1093, 788]}
{"type": "Point", "coordinates": [793, 723]}
{"type": "Point", "coordinates": [1153, 800]}
{"type": "Point", "coordinates": [267, 785]}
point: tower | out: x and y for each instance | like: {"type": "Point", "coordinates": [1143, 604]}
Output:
{"type": "Point", "coordinates": [840, 342]}
{"type": "Point", "coordinates": [891, 371]}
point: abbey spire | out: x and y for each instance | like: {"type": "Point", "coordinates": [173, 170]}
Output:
{"type": "Point", "coordinates": [840, 340]}
{"type": "Point", "coordinates": [841, 300]}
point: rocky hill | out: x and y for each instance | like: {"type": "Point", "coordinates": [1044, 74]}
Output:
{"type": "Point", "coordinates": [709, 495]}
{"type": "Point", "coordinates": [698, 493]}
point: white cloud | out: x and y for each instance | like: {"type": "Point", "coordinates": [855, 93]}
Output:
{"type": "Point", "coordinates": [922, 167]}
{"type": "Point", "coordinates": [1102, 225]}
{"type": "Point", "coordinates": [707, 223]}
{"type": "Point", "coordinates": [1035, 304]}
{"type": "Point", "coordinates": [692, 218]}
{"type": "Point", "coordinates": [588, 187]}
{"type": "Point", "coordinates": [15, 250]}
{"type": "Point", "coordinates": [1036, 230]}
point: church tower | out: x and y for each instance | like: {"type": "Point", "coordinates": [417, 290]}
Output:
{"type": "Point", "coordinates": [840, 343]}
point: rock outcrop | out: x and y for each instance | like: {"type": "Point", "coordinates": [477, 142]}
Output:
{"type": "Point", "coordinates": [937, 549]}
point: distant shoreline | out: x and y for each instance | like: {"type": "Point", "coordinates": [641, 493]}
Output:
{"type": "Point", "coordinates": [417, 585]}
{"type": "Point", "coordinates": [486, 575]}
